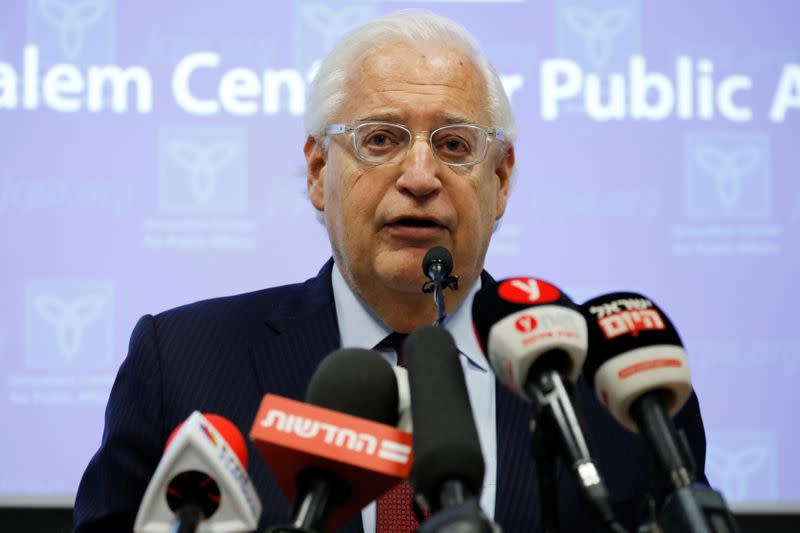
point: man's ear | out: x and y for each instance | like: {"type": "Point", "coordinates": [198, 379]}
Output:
{"type": "Point", "coordinates": [316, 169]}
{"type": "Point", "coordinates": [503, 170]}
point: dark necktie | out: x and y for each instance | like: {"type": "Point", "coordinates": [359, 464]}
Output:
{"type": "Point", "coordinates": [394, 511]}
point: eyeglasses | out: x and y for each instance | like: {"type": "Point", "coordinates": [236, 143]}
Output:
{"type": "Point", "coordinates": [456, 145]}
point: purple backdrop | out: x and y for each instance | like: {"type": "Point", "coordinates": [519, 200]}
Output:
{"type": "Point", "coordinates": [151, 156]}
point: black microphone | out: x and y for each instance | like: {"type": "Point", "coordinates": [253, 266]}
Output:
{"type": "Point", "coordinates": [356, 382]}
{"type": "Point", "coordinates": [535, 339]}
{"type": "Point", "coordinates": [437, 266]}
{"type": "Point", "coordinates": [639, 369]}
{"type": "Point", "coordinates": [448, 466]}
{"type": "Point", "coordinates": [437, 263]}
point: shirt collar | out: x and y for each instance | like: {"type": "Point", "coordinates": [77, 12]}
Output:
{"type": "Point", "coordinates": [360, 327]}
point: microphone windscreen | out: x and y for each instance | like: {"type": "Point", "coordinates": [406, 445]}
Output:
{"type": "Point", "coordinates": [633, 349]}
{"type": "Point", "coordinates": [227, 429]}
{"type": "Point", "coordinates": [357, 382]}
{"type": "Point", "coordinates": [495, 301]}
{"type": "Point", "coordinates": [437, 254]}
{"type": "Point", "coordinates": [619, 322]}
{"type": "Point", "coordinates": [202, 467]}
{"type": "Point", "coordinates": [526, 325]}
{"type": "Point", "coordinates": [446, 443]}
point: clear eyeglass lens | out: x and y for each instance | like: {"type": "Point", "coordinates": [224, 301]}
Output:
{"type": "Point", "coordinates": [453, 145]}
{"type": "Point", "coordinates": [380, 143]}
{"type": "Point", "coordinates": [459, 145]}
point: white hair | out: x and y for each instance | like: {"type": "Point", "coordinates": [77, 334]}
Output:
{"type": "Point", "coordinates": [328, 91]}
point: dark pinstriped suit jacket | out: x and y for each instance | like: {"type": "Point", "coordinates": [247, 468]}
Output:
{"type": "Point", "coordinates": [222, 355]}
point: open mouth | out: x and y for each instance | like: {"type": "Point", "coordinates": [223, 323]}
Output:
{"type": "Point", "coordinates": [415, 223]}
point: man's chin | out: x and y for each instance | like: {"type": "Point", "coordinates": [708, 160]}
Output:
{"type": "Point", "coordinates": [401, 270]}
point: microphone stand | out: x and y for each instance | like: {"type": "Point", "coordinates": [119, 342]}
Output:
{"type": "Point", "coordinates": [318, 495]}
{"type": "Point", "coordinates": [188, 519]}
{"type": "Point", "coordinates": [690, 507]}
{"type": "Point", "coordinates": [460, 513]}
{"type": "Point", "coordinates": [548, 391]}
{"type": "Point", "coordinates": [545, 455]}
{"type": "Point", "coordinates": [464, 517]}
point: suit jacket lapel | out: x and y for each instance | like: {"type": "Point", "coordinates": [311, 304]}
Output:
{"type": "Point", "coordinates": [299, 332]}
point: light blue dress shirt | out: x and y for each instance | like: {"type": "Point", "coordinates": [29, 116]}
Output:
{"type": "Point", "coordinates": [359, 327]}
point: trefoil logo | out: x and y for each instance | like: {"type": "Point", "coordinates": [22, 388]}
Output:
{"type": "Point", "coordinates": [202, 163]}
{"type": "Point", "coordinates": [728, 169]}
{"type": "Point", "coordinates": [69, 317]}
{"type": "Point", "coordinates": [333, 22]}
{"type": "Point", "coordinates": [598, 28]}
{"type": "Point", "coordinates": [72, 20]}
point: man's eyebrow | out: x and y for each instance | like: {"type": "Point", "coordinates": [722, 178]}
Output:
{"type": "Point", "coordinates": [381, 117]}
{"type": "Point", "coordinates": [446, 118]}
{"type": "Point", "coordinates": [456, 119]}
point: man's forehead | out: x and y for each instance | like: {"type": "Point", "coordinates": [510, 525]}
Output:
{"type": "Point", "coordinates": [424, 54]}
{"type": "Point", "coordinates": [402, 81]}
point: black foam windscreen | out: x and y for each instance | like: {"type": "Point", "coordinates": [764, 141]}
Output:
{"type": "Point", "coordinates": [437, 254]}
{"type": "Point", "coordinates": [620, 322]}
{"type": "Point", "coordinates": [495, 301]}
{"type": "Point", "coordinates": [357, 382]}
{"type": "Point", "coordinates": [446, 443]}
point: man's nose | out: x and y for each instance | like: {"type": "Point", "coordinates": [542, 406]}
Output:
{"type": "Point", "coordinates": [419, 171]}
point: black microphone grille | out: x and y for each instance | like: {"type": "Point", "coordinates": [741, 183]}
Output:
{"type": "Point", "coordinates": [437, 255]}
{"type": "Point", "coordinates": [357, 382]}
{"type": "Point", "coordinates": [446, 442]}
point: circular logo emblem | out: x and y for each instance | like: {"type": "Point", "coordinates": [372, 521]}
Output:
{"type": "Point", "coordinates": [528, 291]}
{"type": "Point", "coordinates": [525, 323]}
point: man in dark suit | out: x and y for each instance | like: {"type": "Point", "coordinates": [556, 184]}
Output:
{"type": "Point", "coordinates": [410, 145]}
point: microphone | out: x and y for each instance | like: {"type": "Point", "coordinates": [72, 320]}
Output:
{"type": "Point", "coordinates": [201, 482]}
{"type": "Point", "coordinates": [338, 452]}
{"type": "Point", "coordinates": [448, 466]}
{"type": "Point", "coordinates": [639, 369]}
{"type": "Point", "coordinates": [437, 265]}
{"type": "Point", "coordinates": [536, 340]}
